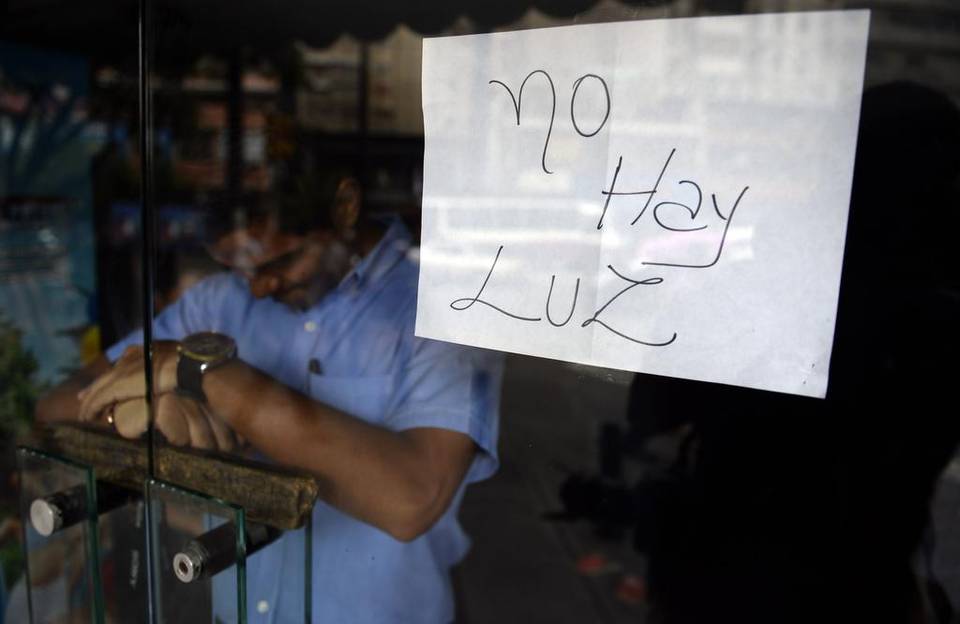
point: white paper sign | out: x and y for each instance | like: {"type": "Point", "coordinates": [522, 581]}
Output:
{"type": "Point", "coordinates": [664, 196]}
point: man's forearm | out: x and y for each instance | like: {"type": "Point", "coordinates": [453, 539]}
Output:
{"type": "Point", "coordinates": [400, 482]}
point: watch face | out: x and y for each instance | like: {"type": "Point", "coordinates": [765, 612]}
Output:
{"type": "Point", "coordinates": [208, 346]}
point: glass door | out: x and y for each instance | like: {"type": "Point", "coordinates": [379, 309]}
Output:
{"type": "Point", "coordinates": [413, 288]}
{"type": "Point", "coordinates": [71, 282]}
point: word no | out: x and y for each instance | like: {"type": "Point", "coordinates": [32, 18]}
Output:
{"type": "Point", "coordinates": [518, 99]}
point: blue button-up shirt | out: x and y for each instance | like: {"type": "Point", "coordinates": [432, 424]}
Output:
{"type": "Point", "coordinates": [354, 350]}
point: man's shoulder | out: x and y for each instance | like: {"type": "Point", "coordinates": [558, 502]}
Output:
{"type": "Point", "coordinates": [398, 288]}
{"type": "Point", "coordinates": [408, 272]}
{"type": "Point", "coordinates": [220, 285]}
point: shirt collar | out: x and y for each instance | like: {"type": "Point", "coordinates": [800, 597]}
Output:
{"type": "Point", "coordinates": [392, 248]}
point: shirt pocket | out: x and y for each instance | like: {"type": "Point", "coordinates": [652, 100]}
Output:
{"type": "Point", "coordinates": [364, 397]}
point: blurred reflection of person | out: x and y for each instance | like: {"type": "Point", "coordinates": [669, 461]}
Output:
{"type": "Point", "coordinates": [330, 379]}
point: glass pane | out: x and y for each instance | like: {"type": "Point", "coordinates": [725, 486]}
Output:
{"type": "Point", "coordinates": [199, 568]}
{"type": "Point", "coordinates": [57, 513]}
{"type": "Point", "coordinates": [589, 494]}
{"type": "Point", "coordinates": [70, 257]}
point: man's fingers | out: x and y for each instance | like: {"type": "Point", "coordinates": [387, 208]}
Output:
{"type": "Point", "coordinates": [123, 381]}
{"type": "Point", "coordinates": [171, 421]}
{"type": "Point", "coordinates": [182, 422]}
{"type": "Point", "coordinates": [201, 434]}
{"type": "Point", "coordinates": [130, 418]}
{"type": "Point", "coordinates": [226, 440]}
{"type": "Point", "coordinates": [90, 394]}
{"type": "Point", "coordinates": [101, 399]}
{"type": "Point", "coordinates": [120, 384]}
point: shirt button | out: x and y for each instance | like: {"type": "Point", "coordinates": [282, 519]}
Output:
{"type": "Point", "coordinates": [263, 606]}
{"type": "Point", "coordinates": [310, 326]}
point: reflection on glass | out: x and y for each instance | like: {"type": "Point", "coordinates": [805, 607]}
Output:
{"type": "Point", "coordinates": [296, 200]}
{"type": "Point", "coordinates": [123, 557]}
{"type": "Point", "coordinates": [63, 570]}
{"type": "Point", "coordinates": [69, 205]}
{"type": "Point", "coordinates": [337, 103]}
{"type": "Point", "coordinates": [198, 568]}
{"type": "Point", "coordinates": [678, 472]}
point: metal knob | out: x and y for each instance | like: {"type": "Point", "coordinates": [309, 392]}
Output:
{"type": "Point", "coordinates": [188, 565]}
{"type": "Point", "coordinates": [46, 517]}
{"type": "Point", "coordinates": [216, 550]}
{"type": "Point", "coordinates": [64, 509]}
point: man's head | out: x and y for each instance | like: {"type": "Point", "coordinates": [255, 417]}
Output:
{"type": "Point", "coordinates": [294, 248]}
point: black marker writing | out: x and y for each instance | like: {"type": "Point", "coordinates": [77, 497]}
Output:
{"type": "Point", "coordinates": [653, 281]}
{"type": "Point", "coordinates": [518, 103]}
{"type": "Point", "coordinates": [664, 214]}
{"type": "Point", "coordinates": [518, 100]}
{"type": "Point", "coordinates": [606, 203]}
{"type": "Point", "coordinates": [723, 239]}
{"type": "Point", "coordinates": [458, 304]}
{"type": "Point", "coordinates": [573, 99]}
{"type": "Point", "coordinates": [465, 303]}
{"type": "Point", "coordinates": [649, 193]}
{"type": "Point", "coordinates": [692, 211]}
{"type": "Point", "coordinates": [576, 293]}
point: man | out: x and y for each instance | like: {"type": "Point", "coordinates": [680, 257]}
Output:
{"type": "Point", "coordinates": [329, 379]}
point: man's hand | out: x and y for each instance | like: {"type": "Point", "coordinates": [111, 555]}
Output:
{"type": "Point", "coordinates": [185, 422]}
{"type": "Point", "coordinates": [125, 381]}
{"type": "Point", "coordinates": [118, 397]}
{"type": "Point", "coordinates": [182, 421]}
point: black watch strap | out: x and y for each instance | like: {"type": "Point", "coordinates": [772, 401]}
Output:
{"type": "Point", "coordinates": [190, 378]}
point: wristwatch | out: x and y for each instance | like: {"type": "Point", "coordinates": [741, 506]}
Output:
{"type": "Point", "coordinates": [197, 354]}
